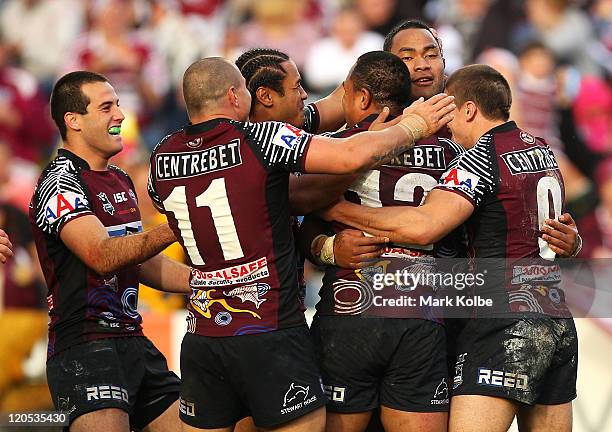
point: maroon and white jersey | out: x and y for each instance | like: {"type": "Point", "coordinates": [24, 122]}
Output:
{"type": "Point", "coordinates": [84, 305]}
{"type": "Point", "coordinates": [223, 185]}
{"type": "Point", "coordinates": [514, 183]}
{"type": "Point", "coordinates": [404, 181]}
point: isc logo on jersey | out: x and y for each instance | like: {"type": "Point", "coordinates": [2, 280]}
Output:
{"type": "Point", "coordinates": [62, 204]}
{"type": "Point", "coordinates": [460, 179]}
{"type": "Point", "coordinates": [287, 137]}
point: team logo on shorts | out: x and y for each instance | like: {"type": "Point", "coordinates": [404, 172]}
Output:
{"type": "Point", "coordinates": [107, 392]}
{"type": "Point", "coordinates": [497, 378]}
{"type": "Point", "coordinates": [334, 393]}
{"type": "Point", "coordinates": [187, 407]}
{"type": "Point", "coordinates": [63, 405]}
{"type": "Point", "coordinates": [294, 392]}
{"type": "Point", "coordinates": [440, 396]}
{"type": "Point", "coordinates": [458, 379]}
{"type": "Point", "coordinates": [296, 397]}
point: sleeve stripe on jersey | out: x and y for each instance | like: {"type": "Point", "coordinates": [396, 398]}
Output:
{"type": "Point", "coordinates": [265, 132]}
{"type": "Point", "coordinates": [453, 145]}
{"type": "Point", "coordinates": [267, 135]}
{"type": "Point", "coordinates": [476, 168]}
{"type": "Point", "coordinates": [477, 159]}
{"type": "Point", "coordinates": [60, 177]}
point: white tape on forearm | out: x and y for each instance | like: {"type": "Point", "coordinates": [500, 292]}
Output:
{"type": "Point", "coordinates": [415, 126]}
{"type": "Point", "coordinates": [327, 251]}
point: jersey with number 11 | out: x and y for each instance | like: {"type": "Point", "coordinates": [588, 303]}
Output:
{"type": "Point", "coordinates": [223, 185]}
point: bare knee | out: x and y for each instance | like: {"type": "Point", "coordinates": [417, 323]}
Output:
{"type": "Point", "coordinates": [396, 421]}
{"type": "Point", "coordinates": [314, 421]}
{"type": "Point", "coordinates": [104, 420]}
{"type": "Point", "coordinates": [477, 413]}
{"type": "Point", "coordinates": [543, 418]}
{"type": "Point", "coordinates": [168, 421]}
{"type": "Point", "coordinates": [347, 422]}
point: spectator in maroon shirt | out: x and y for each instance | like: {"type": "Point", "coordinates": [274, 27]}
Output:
{"type": "Point", "coordinates": [24, 122]}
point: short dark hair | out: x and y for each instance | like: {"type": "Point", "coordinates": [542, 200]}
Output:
{"type": "Point", "coordinates": [264, 71]}
{"type": "Point", "coordinates": [256, 52]}
{"type": "Point", "coordinates": [385, 76]}
{"type": "Point", "coordinates": [533, 45]}
{"type": "Point", "coordinates": [484, 86]}
{"type": "Point", "coordinates": [68, 96]}
{"type": "Point", "coordinates": [406, 25]}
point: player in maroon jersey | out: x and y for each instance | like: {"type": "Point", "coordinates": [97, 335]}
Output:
{"type": "Point", "coordinates": [101, 369]}
{"type": "Point", "coordinates": [362, 371]}
{"type": "Point", "coordinates": [275, 85]}
{"type": "Point", "coordinates": [223, 184]}
{"type": "Point", "coordinates": [414, 43]}
{"type": "Point", "coordinates": [504, 187]}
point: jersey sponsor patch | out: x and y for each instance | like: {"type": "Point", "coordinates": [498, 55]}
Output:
{"type": "Point", "coordinates": [421, 156]}
{"type": "Point", "coordinates": [62, 204]}
{"type": "Point", "coordinates": [243, 273]}
{"type": "Point", "coordinates": [531, 160]}
{"type": "Point", "coordinates": [287, 137]}
{"type": "Point", "coordinates": [172, 166]}
{"type": "Point", "coordinates": [539, 273]}
{"type": "Point", "coordinates": [459, 179]}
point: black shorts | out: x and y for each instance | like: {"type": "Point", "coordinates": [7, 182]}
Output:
{"type": "Point", "coordinates": [128, 373]}
{"type": "Point", "coordinates": [532, 361]}
{"type": "Point", "coordinates": [272, 377]}
{"type": "Point", "coordinates": [367, 362]}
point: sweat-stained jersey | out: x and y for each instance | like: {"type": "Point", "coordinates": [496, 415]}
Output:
{"type": "Point", "coordinates": [223, 186]}
{"type": "Point", "coordinates": [514, 183]}
{"type": "Point", "coordinates": [84, 305]}
{"type": "Point", "coordinates": [404, 181]}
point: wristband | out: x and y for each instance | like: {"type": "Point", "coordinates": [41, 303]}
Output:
{"type": "Point", "coordinates": [415, 126]}
{"type": "Point", "coordinates": [313, 246]}
{"type": "Point", "coordinates": [327, 251]}
{"type": "Point", "coordinates": [578, 247]}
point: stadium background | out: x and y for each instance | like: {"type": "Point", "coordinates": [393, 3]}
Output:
{"type": "Point", "coordinates": [557, 55]}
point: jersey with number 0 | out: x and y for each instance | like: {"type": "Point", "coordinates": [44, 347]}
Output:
{"type": "Point", "coordinates": [405, 181]}
{"type": "Point", "coordinates": [223, 185]}
{"type": "Point", "coordinates": [84, 305]}
{"type": "Point", "coordinates": [513, 181]}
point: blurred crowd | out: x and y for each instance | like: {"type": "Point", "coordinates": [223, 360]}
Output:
{"type": "Point", "coordinates": [557, 55]}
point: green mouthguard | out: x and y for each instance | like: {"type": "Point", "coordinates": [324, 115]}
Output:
{"type": "Point", "coordinates": [115, 130]}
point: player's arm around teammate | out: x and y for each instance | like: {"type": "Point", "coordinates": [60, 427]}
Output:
{"type": "Point", "coordinates": [370, 149]}
{"type": "Point", "coordinates": [461, 191]}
